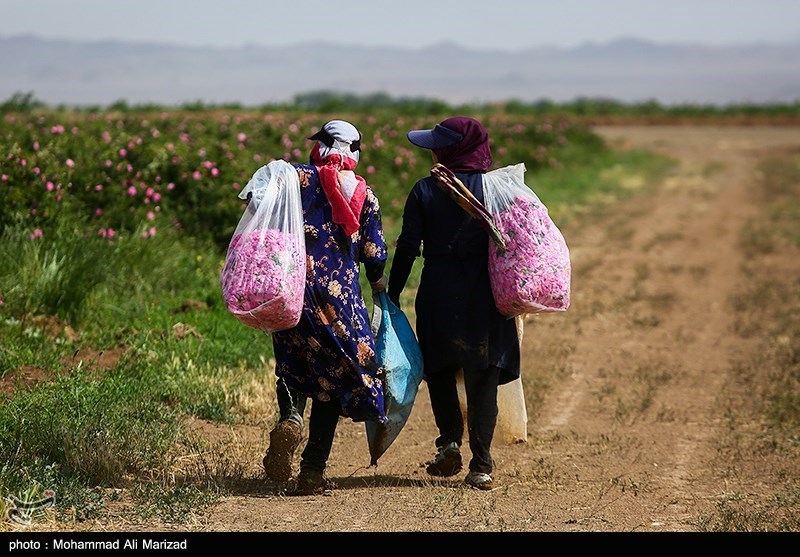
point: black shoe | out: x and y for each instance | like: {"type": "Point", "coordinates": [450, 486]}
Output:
{"type": "Point", "coordinates": [447, 461]}
{"type": "Point", "coordinates": [283, 442]}
{"type": "Point", "coordinates": [311, 482]}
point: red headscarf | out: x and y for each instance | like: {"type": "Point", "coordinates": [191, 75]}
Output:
{"type": "Point", "coordinates": [470, 154]}
{"type": "Point", "coordinates": [345, 190]}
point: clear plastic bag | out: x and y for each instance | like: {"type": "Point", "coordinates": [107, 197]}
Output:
{"type": "Point", "coordinates": [533, 273]}
{"type": "Point", "coordinates": [263, 279]}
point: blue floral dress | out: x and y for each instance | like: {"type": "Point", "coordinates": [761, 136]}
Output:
{"type": "Point", "coordinates": [330, 354]}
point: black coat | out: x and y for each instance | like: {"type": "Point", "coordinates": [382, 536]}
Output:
{"type": "Point", "coordinates": [457, 321]}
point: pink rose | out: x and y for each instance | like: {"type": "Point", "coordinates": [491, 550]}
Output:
{"type": "Point", "coordinates": [263, 280]}
{"type": "Point", "coordinates": [533, 274]}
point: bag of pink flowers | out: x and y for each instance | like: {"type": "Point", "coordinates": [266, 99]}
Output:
{"type": "Point", "coordinates": [263, 279]}
{"type": "Point", "coordinates": [533, 273]}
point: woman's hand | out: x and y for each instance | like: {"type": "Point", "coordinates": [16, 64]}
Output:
{"type": "Point", "coordinates": [380, 284]}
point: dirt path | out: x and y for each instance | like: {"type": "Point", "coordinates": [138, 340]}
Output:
{"type": "Point", "coordinates": [622, 390]}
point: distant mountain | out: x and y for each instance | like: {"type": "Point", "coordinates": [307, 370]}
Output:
{"type": "Point", "coordinates": [90, 73]}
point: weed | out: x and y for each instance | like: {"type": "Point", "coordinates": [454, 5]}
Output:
{"type": "Point", "coordinates": [172, 505]}
{"type": "Point", "coordinates": [737, 513]}
{"type": "Point", "coordinates": [711, 168]}
{"type": "Point", "coordinates": [698, 272]}
{"type": "Point", "coordinates": [762, 405]}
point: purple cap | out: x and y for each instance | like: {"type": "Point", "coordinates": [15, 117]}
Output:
{"type": "Point", "coordinates": [437, 138]}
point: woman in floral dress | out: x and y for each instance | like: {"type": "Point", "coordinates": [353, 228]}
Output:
{"type": "Point", "coordinates": [330, 355]}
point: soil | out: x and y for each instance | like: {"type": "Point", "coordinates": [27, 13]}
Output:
{"type": "Point", "coordinates": [625, 415]}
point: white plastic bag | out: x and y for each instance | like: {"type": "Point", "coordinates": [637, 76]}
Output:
{"type": "Point", "coordinates": [512, 416]}
{"type": "Point", "coordinates": [512, 412]}
{"type": "Point", "coordinates": [263, 279]}
{"type": "Point", "coordinates": [533, 274]}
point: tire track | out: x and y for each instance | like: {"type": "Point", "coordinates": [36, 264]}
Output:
{"type": "Point", "coordinates": [647, 367]}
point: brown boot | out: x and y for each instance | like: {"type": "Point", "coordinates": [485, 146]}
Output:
{"type": "Point", "coordinates": [311, 482]}
{"type": "Point", "coordinates": [283, 442]}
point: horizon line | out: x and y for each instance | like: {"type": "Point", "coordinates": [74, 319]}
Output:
{"type": "Point", "coordinates": [440, 44]}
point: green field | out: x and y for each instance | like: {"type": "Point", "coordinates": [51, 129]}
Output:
{"type": "Point", "coordinates": [114, 227]}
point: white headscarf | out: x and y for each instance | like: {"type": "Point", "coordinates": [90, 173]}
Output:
{"type": "Point", "coordinates": [344, 134]}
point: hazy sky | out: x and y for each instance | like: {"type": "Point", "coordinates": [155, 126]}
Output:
{"type": "Point", "coordinates": [499, 24]}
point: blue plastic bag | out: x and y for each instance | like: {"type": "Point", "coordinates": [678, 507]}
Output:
{"type": "Point", "coordinates": [398, 351]}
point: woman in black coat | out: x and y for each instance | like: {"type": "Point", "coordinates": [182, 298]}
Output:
{"type": "Point", "coordinates": [458, 325]}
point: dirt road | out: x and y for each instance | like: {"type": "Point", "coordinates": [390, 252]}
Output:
{"type": "Point", "coordinates": [623, 390]}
